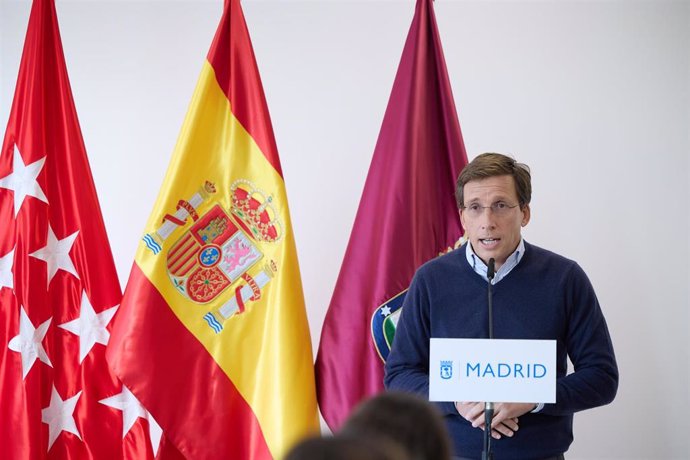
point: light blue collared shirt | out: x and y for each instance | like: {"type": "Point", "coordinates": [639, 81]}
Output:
{"type": "Point", "coordinates": [480, 267]}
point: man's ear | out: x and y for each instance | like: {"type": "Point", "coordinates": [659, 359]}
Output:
{"type": "Point", "coordinates": [526, 214]}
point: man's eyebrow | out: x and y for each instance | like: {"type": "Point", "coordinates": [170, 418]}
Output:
{"type": "Point", "coordinates": [496, 199]}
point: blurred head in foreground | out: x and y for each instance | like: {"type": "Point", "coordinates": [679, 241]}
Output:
{"type": "Point", "coordinates": [346, 448]}
{"type": "Point", "coordinates": [405, 419]}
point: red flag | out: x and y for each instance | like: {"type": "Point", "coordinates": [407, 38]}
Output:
{"type": "Point", "coordinates": [58, 285]}
{"type": "Point", "coordinates": [407, 215]}
{"type": "Point", "coordinates": [213, 334]}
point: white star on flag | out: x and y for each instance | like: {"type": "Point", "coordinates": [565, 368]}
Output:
{"type": "Point", "coordinates": [6, 262]}
{"type": "Point", "coordinates": [59, 416]}
{"type": "Point", "coordinates": [23, 180]}
{"type": "Point", "coordinates": [56, 254]}
{"type": "Point", "coordinates": [90, 326]}
{"type": "Point", "coordinates": [28, 342]}
{"type": "Point", "coordinates": [131, 410]}
{"type": "Point", "coordinates": [386, 311]}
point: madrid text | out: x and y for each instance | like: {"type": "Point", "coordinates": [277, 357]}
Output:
{"type": "Point", "coordinates": [506, 370]}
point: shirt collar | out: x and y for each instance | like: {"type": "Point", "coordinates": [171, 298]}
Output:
{"type": "Point", "coordinates": [480, 267]}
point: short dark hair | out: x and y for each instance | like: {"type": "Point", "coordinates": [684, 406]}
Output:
{"type": "Point", "coordinates": [403, 418]}
{"type": "Point", "coordinates": [495, 164]}
{"type": "Point", "coordinates": [345, 448]}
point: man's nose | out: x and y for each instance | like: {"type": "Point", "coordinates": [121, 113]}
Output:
{"type": "Point", "coordinates": [487, 219]}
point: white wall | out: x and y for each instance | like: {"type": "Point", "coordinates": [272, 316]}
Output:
{"type": "Point", "coordinates": [593, 95]}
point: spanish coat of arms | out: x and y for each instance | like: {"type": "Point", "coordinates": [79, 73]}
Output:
{"type": "Point", "coordinates": [221, 249]}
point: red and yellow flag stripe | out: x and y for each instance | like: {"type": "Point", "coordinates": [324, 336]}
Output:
{"type": "Point", "coordinates": [246, 391]}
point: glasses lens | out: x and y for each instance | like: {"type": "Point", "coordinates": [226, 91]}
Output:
{"type": "Point", "coordinates": [498, 209]}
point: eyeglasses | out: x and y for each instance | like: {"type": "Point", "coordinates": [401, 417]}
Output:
{"type": "Point", "coordinates": [499, 209]}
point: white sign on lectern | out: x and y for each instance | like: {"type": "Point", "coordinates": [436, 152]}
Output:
{"type": "Point", "coordinates": [492, 370]}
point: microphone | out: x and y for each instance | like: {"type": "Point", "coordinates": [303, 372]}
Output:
{"type": "Point", "coordinates": [490, 272]}
{"type": "Point", "coordinates": [487, 453]}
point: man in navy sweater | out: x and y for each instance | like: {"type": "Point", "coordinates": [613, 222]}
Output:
{"type": "Point", "coordinates": [537, 294]}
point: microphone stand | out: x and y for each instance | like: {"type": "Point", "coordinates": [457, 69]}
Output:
{"type": "Point", "coordinates": [487, 454]}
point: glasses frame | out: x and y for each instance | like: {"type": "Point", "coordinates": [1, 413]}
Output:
{"type": "Point", "coordinates": [499, 208]}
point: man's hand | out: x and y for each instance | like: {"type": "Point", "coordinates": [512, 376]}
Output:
{"type": "Point", "coordinates": [505, 420]}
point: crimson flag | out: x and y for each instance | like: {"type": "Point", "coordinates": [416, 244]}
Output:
{"type": "Point", "coordinates": [58, 285]}
{"type": "Point", "coordinates": [407, 215]}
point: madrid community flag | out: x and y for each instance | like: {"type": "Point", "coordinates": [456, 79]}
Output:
{"type": "Point", "coordinates": [212, 335]}
{"type": "Point", "coordinates": [58, 285]}
{"type": "Point", "coordinates": [407, 215]}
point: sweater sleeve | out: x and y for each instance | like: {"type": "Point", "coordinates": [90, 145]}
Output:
{"type": "Point", "coordinates": [407, 366]}
{"type": "Point", "coordinates": [594, 380]}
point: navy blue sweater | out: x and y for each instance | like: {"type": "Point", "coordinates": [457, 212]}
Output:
{"type": "Point", "coordinates": [545, 297]}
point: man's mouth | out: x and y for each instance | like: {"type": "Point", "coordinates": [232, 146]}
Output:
{"type": "Point", "coordinates": [489, 241]}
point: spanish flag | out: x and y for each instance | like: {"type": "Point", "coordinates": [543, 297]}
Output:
{"type": "Point", "coordinates": [212, 335]}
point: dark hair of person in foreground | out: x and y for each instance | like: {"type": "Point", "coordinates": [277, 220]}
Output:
{"type": "Point", "coordinates": [346, 448]}
{"type": "Point", "coordinates": [405, 419]}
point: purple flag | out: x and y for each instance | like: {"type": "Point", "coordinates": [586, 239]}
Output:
{"type": "Point", "coordinates": [407, 215]}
